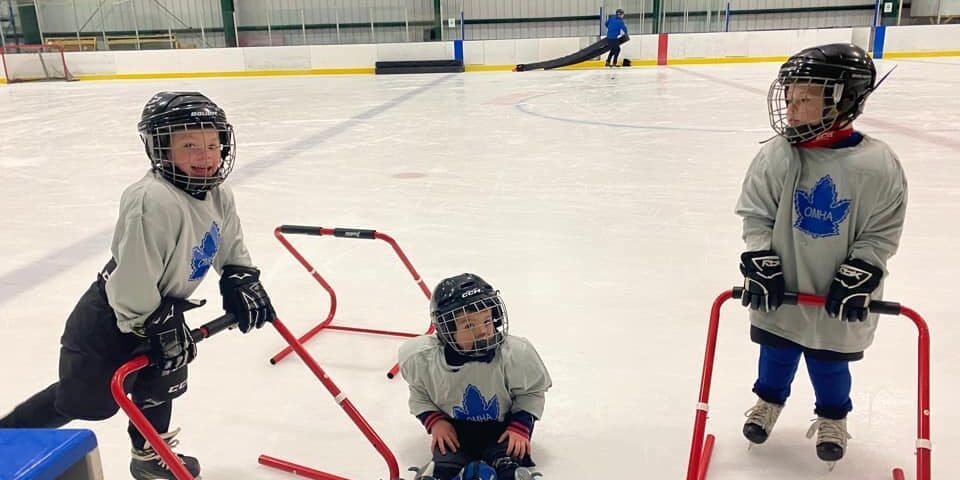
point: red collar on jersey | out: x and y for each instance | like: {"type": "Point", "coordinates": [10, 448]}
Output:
{"type": "Point", "coordinates": [828, 138]}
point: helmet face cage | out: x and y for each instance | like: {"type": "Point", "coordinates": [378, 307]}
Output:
{"type": "Point", "coordinates": [447, 322]}
{"type": "Point", "coordinates": [778, 103]}
{"type": "Point", "coordinates": [158, 142]}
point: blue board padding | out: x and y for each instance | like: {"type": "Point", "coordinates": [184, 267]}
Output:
{"type": "Point", "coordinates": [42, 454]}
{"type": "Point", "coordinates": [879, 36]}
{"type": "Point", "coordinates": [458, 50]}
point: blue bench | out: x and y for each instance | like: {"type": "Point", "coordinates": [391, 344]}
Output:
{"type": "Point", "coordinates": [49, 454]}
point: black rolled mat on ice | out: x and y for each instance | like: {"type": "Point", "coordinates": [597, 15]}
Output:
{"type": "Point", "coordinates": [419, 66]}
{"type": "Point", "coordinates": [595, 49]}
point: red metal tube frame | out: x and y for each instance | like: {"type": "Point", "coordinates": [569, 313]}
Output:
{"type": "Point", "coordinates": [355, 233]}
{"type": "Point", "coordinates": [700, 451]}
{"type": "Point", "coordinates": [141, 422]}
{"type": "Point", "coordinates": [178, 469]}
{"type": "Point", "coordinates": [347, 407]}
{"type": "Point", "coordinates": [136, 416]}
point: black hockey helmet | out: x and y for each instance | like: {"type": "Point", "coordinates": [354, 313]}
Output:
{"type": "Point", "coordinates": [454, 298]}
{"type": "Point", "coordinates": [620, 12]}
{"type": "Point", "coordinates": [170, 112]}
{"type": "Point", "coordinates": [847, 75]}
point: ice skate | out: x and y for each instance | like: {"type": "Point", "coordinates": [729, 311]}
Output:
{"type": "Point", "coordinates": [423, 473]}
{"type": "Point", "coordinates": [760, 421]}
{"type": "Point", "coordinates": [477, 470]}
{"type": "Point", "coordinates": [524, 473]}
{"type": "Point", "coordinates": [146, 464]}
{"type": "Point", "coordinates": [832, 439]}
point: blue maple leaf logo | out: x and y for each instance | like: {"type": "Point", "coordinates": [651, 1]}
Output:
{"type": "Point", "coordinates": [476, 408]}
{"type": "Point", "coordinates": [819, 213]}
{"type": "Point", "coordinates": [203, 254]}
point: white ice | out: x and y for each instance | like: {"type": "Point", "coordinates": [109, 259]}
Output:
{"type": "Point", "coordinates": [599, 203]}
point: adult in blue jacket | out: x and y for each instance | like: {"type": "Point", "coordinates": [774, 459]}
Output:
{"type": "Point", "coordinates": [614, 26]}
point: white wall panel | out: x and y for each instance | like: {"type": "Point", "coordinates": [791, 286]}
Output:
{"type": "Point", "coordinates": [277, 58]}
{"type": "Point", "coordinates": [415, 51]}
{"type": "Point", "coordinates": [922, 38]}
{"type": "Point", "coordinates": [343, 56]}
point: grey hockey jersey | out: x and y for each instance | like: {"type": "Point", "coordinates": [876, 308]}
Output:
{"type": "Point", "coordinates": [514, 380]}
{"type": "Point", "coordinates": [164, 244]}
{"type": "Point", "coordinates": [815, 208]}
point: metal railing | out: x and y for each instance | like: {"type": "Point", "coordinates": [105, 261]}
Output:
{"type": "Point", "coordinates": [154, 24]}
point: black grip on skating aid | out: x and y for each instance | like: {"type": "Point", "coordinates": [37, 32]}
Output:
{"type": "Point", "coordinates": [300, 230]}
{"type": "Point", "coordinates": [789, 298]}
{"type": "Point", "coordinates": [213, 327]}
{"type": "Point", "coordinates": [876, 306]}
{"type": "Point", "coordinates": [354, 233]}
{"type": "Point", "coordinates": [884, 308]}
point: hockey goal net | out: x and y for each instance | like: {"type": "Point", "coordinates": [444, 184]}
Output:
{"type": "Point", "coordinates": [24, 63]}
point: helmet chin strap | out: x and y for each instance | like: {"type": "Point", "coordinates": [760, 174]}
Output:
{"type": "Point", "coordinates": [180, 175]}
{"type": "Point", "coordinates": [481, 346]}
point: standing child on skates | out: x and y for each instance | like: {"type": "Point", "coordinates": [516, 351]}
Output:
{"type": "Point", "coordinates": [175, 224]}
{"type": "Point", "coordinates": [823, 208]}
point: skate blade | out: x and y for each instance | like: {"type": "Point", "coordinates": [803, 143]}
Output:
{"type": "Point", "coordinates": [528, 474]}
{"type": "Point", "coordinates": [420, 472]}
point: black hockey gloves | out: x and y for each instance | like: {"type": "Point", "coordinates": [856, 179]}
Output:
{"type": "Point", "coordinates": [762, 280]}
{"type": "Point", "coordinates": [849, 295]}
{"type": "Point", "coordinates": [245, 298]}
{"type": "Point", "coordinates": [171, 346]}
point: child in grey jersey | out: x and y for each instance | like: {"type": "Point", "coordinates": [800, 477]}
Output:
{"type": "Point", "coordinates": [175, 224]}
{"type": "Point", "coordinates": [476, 389]}
{"type": "Point", "coordinates": [823, 208]}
